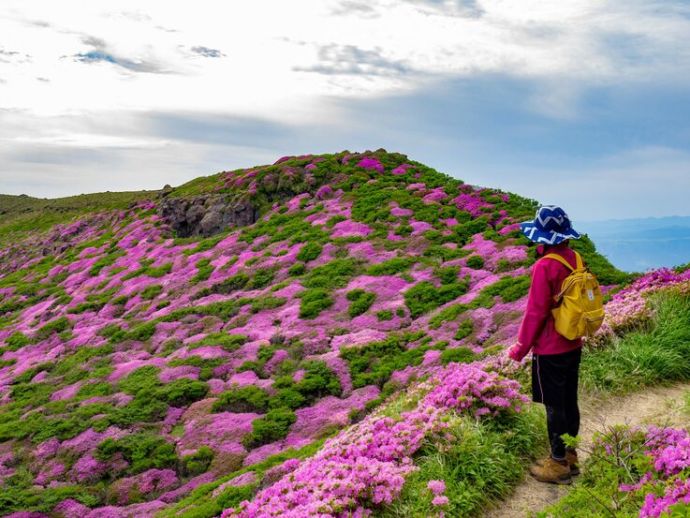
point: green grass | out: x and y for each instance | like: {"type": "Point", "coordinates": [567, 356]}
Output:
{"type": "Point", "coordinates": [481, 463]}
{"type": "Point", "coordinates": [20, 215]}
{"type": "Point", "coordinates": [656, 355]}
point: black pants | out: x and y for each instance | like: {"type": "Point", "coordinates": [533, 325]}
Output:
{"type": "Point", "coordinates": [554, 383]}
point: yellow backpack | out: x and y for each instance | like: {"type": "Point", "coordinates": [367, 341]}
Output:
{"type": "Point", "coordinates": [580, 310]}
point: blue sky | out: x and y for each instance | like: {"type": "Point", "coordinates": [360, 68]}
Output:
{"type": "Point", "coordinates": [581, 103]}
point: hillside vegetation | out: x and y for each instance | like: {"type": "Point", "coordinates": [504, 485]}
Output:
{"type": "Point", "coordinates": [144, 374]}
{"type": "Point", "coordinates": [22, 215]}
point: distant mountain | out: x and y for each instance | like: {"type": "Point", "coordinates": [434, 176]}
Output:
{"type": "Point", "coordinates": [641, 244]}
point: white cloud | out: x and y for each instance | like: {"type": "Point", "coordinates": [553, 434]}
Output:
{"type": "Point", "coordinates": [293, 64]}
{"type": "Point", "coordinates": [267, 46]}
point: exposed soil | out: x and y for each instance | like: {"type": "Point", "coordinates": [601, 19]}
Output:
{"type": "Point", "coordinates": [660, 406]}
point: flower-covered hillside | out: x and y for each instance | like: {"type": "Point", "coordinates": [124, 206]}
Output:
{"type": "Point", "coordinates": [136, 366]}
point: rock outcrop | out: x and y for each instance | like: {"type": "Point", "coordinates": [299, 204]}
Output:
{"type": "Point", "coordinates": [206, 215]}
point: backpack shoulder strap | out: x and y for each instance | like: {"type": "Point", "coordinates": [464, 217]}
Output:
{"type": "Point", "coordinates": [578, 261]}
{"type": "Point", "coordinates": [563, 261]}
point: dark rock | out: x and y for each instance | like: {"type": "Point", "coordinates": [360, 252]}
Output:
{"type": "Point", "coordinates": [277, 339]}
{"type": "Point", "coordinates": [206, 215]}
{"type": "Point", "coordinates": [167, 189]}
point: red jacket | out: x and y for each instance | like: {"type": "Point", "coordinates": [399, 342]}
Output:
{"type": "Point", "coordinates": [537, 330]}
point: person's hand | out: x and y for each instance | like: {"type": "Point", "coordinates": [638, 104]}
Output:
{"type": "Point", "coordinates": [514, 352]}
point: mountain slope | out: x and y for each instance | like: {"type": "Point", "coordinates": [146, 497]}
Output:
{"type": "Point", "coordinates": [137, 365]}
{"type": "Point", "coordinates": [22, 215]}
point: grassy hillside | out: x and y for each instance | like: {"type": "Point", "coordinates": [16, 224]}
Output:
{"type": "Point", "coordinates": [142, 373]}
{"type": "Point", "coordinates": [21, 215]}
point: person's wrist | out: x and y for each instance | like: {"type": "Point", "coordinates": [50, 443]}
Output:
{"type": "Point", "coordinates": [514, 351]}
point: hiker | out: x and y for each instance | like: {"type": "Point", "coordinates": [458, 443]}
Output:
{"type": "Point", "coordinates": [555, 358]}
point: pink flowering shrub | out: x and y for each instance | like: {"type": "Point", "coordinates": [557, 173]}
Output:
{"type": "Point", "coordinates": [370, 163]}
{"type": "Point", "coordinates": [652, 469]}
{"type": "Point", "coordinates": [630, 308]}
{"type": "Point", "coordinates": [365, 465]}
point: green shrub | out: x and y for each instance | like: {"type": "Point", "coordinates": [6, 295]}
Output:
{"type": "Point", "coordinates": [231, 284]}
{"type": "Point", "coordinates": [314, 301]}
{"type": "Point", "coordinates": [331, 275]}
{"type": "Point", "coordinates": [29, 499]}
{"type": "Point", "coordinates": [334, 220]}
{"type": "Point", "coordinates": [458, 355]}
{"type": "Point", "coordinates": [206, 365]}
{"type": "Point", "coordinates": [158, 271]}
{"type": "Point", "coordinates": [106, 260]}
{"type": "Point", "coordinates": [267, 302]}
{"type": "Point", "coordinates": [151, 292]}
{"type": "Point", "coordinates": [508, 288]}
{"type": "Point", "coordinates": [113, 332]}
{"type": "Point", "coordinates": [466, 230]}
{"type": "Point", "coordinates": [261, 278]}
{"type": "Point", "coordinates": [205, 245]}
{"type": "Point", "coordinates": [272, 427]}
{"type": "Point", "coordinates": [228, 342]}
{"type": "Point", "coordinates": [360, 301]}
{"type": "Point", "coordinates": [182, 392]}
{"type": "Point", "coordinates": [384, 314]}
{"type": "Point", "coordinates": [318, 381]}
{"type": "Point", "coordinates": [144, 379]}
{"type": "Point", "coordinates": [242, 399]}
{"type": "Point", "coordinates": [142, 332]}
{"type": "Point", "coordinates": [287, 398]}
{"type": "Point", "coordinates": [446, 315]}
{"type": "Point", "coordinates": [204, 270]}
{"type": "Point", "coordinates": [465, 329]}
{"type": "Point", "coordinates": [140, 411]}
{"type": "Point", "coordinates": [56, 326]}
{"type": "Point", "coordinates": [16, 341]}
{"type": "Point", "coordinates": [309, 252]}
{"type": "Point", "coordinates": [374, 362]}
{"type": "Point", "coordinates": [90, 390]}
{"type": "Point", "coordinates": [444, 253]}
{"type": "Point", "coordinates": [297, 269]}
{"type": "Point", "coordinates": [143, 451]}
{"type": "Point", "coordinates": [391, 267]}
{"type": "Point", "coordinates": [198, 462]}
{"type": "Point", "coordinates": [475, 262]}
{"type": "Point", "coordinates": [424, 296]}
{"type": "Point", "coordinates": [448, 274]}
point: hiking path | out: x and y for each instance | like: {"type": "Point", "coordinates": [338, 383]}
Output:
{"type": "Point", "coordinates": [662, 406]}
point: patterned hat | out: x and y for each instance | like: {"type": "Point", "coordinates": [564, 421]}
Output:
{"type": "Point", "coordinates": [550, 226]}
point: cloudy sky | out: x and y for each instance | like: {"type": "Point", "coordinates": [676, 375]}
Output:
{"type": "Point", "coordinates": [578, 102]}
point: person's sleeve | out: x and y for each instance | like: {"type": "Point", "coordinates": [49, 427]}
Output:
{"type": "Point", "coordinates": [537, 312]}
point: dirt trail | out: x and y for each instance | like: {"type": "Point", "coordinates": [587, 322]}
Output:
{"type": "Point", "coordinates": [660, 406]}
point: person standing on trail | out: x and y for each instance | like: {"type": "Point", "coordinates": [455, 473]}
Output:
{"type": "Point", "coordinates": [555, 358]}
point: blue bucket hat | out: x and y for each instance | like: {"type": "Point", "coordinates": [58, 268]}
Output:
{"type": "Point", "coordinates": [550, 226]}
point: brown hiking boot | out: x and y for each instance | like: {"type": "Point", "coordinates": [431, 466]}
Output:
{"type": "Point", "coordinates": [571, 457]}
{"type": "Point", "coordinates": [552, 471]}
